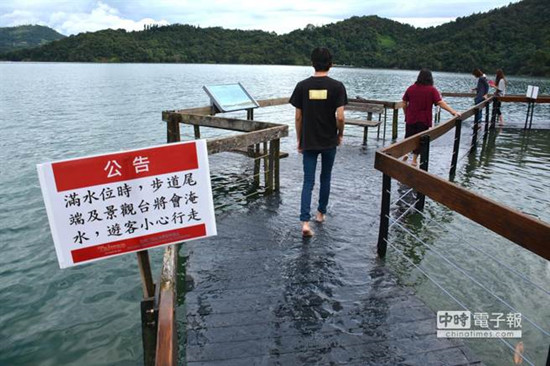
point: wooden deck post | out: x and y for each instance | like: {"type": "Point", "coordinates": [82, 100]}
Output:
{"type": "Point", "coordinates": [456, 146]}
{"type": "Point", "coordinates": [424, 160]}
{"type": "Point", "coordinates": [385, 120]}
{"type": "Point", "coordinates": [197, 130]}
{"type": "Point", "coordinates": [379, 120]}
{"type": "Point", "coordinates": [266, 165]}
{"type": "Point", "coordinates": [366, 128]}
{"type": "Point", "coordinates": [394, 123]}
{"type": "Point", "coordinates": [384, 217]}
{"type": "Point", "coordinates": [145, 273]}
{"type": "Point", "coordinates": [173, 130]}
{"type": "Point", "coordinates": [269, 180]}
{"type": "Point", "coordinates": [257, 164]}
{"type": "Point", "coordinates": [277, 155]}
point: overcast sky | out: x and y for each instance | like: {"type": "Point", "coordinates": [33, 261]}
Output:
{"type": "Point", "coordinates": [281, 16]}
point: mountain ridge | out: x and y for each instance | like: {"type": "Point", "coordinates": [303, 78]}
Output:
{"type": "Point", "coordinates": [26, 36]}
{"type": "Point", "coordinates": [515, 38]}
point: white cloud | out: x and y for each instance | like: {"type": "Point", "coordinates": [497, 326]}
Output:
{"type": "Point", "coordinates": [102, 16]}
{"type": "Point", "coordinates": [281, 16]}
{"type": "Point", "coordinates": [19, 17]}
{"type": "Point", "coordinates": [424, 22]}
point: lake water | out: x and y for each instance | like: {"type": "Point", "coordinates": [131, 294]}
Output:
{"type": "Point", "coordinates": [89, 315]}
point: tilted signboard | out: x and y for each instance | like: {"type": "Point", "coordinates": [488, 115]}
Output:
{"type": "Point", "coordinates": [112, 204]}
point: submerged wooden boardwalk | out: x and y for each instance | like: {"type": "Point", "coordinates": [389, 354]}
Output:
{"type": "Point", "coordinates": [260, 294]}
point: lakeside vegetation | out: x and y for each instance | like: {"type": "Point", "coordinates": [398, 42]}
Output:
{"type": "Point", "coordinates": [515, 38]}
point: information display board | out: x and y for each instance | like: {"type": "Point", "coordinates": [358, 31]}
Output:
{"type": "Point", "coordinates": [230, 97]}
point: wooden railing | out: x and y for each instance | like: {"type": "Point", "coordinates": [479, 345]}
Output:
{"type": "Point", "coordinates": [524, 230]}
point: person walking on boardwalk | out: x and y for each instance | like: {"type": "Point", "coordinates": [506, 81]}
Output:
{"type": "Point", "coordinates": [419, 100]}
{"type": "Point", "coordinates": [481, 90]}
{"type": "Point", "coordinates": [500, 91]}
{"type": "Point", "coordinates": [319, 101]}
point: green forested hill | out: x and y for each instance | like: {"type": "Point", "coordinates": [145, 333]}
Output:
{"type": "Point", "coordinates": [26, 36]}
{"type": "Point", "coordinates": [515, 38]}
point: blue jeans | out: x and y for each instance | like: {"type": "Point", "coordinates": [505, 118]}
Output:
{"type": "Point", "coordinates": [310, 164]}
{"type": "Point", "coordinates": [478, 115]}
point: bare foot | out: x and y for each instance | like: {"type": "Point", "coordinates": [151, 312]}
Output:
{"type": "Point", "coordinates": [306, 230]}
{"type": "Point", "coordinates": [320, 217]}
{"type": "Point", "coordinates": [414, 163]}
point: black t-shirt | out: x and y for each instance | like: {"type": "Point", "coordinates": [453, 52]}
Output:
{"type": "Point", "coordinates": [318, 98]}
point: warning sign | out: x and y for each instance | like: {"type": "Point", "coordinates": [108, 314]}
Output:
{"type": "Point", "coordinates": [107, 205]}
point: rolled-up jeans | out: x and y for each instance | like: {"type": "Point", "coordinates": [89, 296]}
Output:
{"type": "Point", "coordinates": [478, 116]}
{"type": "Point", "coordinates": [310, 165]}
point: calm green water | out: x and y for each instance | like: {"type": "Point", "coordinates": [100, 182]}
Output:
{"type": "Point", "coordinates": [89, 315]}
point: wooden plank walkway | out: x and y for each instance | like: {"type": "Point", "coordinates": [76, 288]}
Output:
{"type": "Point", "coordinates": [260, 294]}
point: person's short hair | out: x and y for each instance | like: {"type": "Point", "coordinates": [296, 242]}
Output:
{"type": "Point", "coordinates": [321, 59]}
{"type": "Point", "coordinates": [477, 73]}
{"type": "Point", "coordinates": [425, 77]}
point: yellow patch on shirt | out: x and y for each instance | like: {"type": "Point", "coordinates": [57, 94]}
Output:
{"type": "Point", "coordinates": [318, 94]}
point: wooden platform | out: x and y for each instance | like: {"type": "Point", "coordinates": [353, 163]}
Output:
{"type": "Point", "coordinates": [256, 155]}
{"type": "Point", "coordinates": [260, 294]}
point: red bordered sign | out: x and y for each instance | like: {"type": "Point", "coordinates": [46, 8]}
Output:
{"type": "Point", "coordinates": [112, 204]}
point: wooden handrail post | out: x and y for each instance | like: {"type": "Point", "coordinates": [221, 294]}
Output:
{"type": "Point", "coordinates": [528, 111]}
{"type": "Point", "coordinates": [486, 130]}
{"type": "Point", "coordinates": [532, 112]}
{"type": "Point", "coordinates": [456, 146]}
{"type": "Point", "coordinates": [475, 129]}
{"type": "Point", "coordinates": [394, 123]}
{"type": "Point", "coordinates": [424, 160]}
{"type": "Point", "coordinates": [384, 217]}
{"type": "Point", "coordinates": [496, 103]}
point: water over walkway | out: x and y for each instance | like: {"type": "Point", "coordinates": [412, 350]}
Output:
{"type": "Point", "coordinates": [260, 294]}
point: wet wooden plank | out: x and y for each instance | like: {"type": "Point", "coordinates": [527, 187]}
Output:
{"type": "Point", "coordinates": [362, 122]}
{"type": "Point", "coordinates": [243, 141]}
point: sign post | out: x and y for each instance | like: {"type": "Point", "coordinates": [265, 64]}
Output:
{"type": "Point", "coordinates": [107, 205]}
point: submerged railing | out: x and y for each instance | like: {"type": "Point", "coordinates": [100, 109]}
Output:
{"type": "Point", "coordinates": [524, 230]}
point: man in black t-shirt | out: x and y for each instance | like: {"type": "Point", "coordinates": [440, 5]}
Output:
{"type": "Point", "coordinates": [319, 102]}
